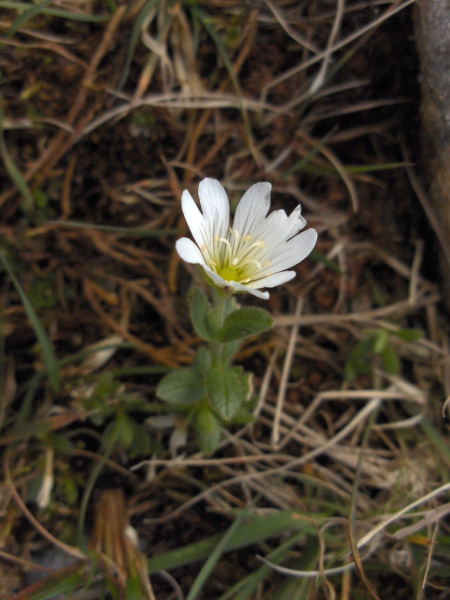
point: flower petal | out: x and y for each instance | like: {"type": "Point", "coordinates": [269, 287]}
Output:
{"type": "Point", "coordinates": [295, 222]}
{"type": "Point", "coordinates": [252, 208]}
{"type": "Point", "coordinates": [286, 255]}
{"type": "Point", "coordinates": [278, 227]}
{"type": "Point", "coordinates": [217, 279]}
{"type": "Point", "coordinates": [274, 280]}
{"type": "Point", "coordinates": [215, 207]}
{"type": "Point", "coordinates": [238, 287]}
{"type": "Point", "coordinates": [194, 218]}
{"type": "Point", "coordinates": [189, 252]}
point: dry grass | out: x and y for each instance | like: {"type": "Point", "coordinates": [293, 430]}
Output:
{"type": "Point", "coordinates": [339, 479]}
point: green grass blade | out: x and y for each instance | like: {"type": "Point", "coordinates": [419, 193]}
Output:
{"type": "Point", "coordinates": [27, 402]}
{"type": "Point", "coordinates": [318, 257]}
{"type": "Point", "coordinates": [437, 441]}
{"type": "Point", "coordinates": [121, 230]}
{"type": "Point", "coordinates": [299, 165]}
{"type": "Point", "coordinates": [214, 557]}
{"type": "Point", "coordinates": [355, 169]}
{"type": "Point", "coordinates": [50, 361]}
{"type": "Point", "coordinates": [56, 12]}
{"type": "Point", "coordinates": [330, 171]}
{"type": "Point", "coordinates": [134, 39]}
{"type": "Point", "coordinates": [62, 582]}
{"type": "Point", "coordinates": [246, 587]}
{"type": "Point", "coordinates": [13, 171]}
{"type": "Point", "coordinates": [204, 19]}
{"type": "Point", "coordinates": [26, 15]}
{"type": "Point", "coordinates": [3, 400]}
{"type": "Point", "coordinates": [254, 531]}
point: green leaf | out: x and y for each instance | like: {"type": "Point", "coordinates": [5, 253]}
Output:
{"type": "Point", "coordinates": [359, 360]}
{"type": "Point", "coordinates": [245, 322]}
{"type": "Point", "coordinates": [390, 360]}
{"type": "Point", "coordinates": [408, 335]}
{"type": "Point", "coordinates": [68, 489]}
{"type": "Point", "coordinates": [118, 433]}
{"type": "Point", "coordinates": [380, 342]}
{"type": "Point", "coordinates": [227, 390]}
{"type": "Point", "coordinates": [208, 430]}
{"type": "Point", "coordinates": [125, 429]}
{"type": "Point", "coordinates": [199, 308]}
{"type": "Point", "coordinates": [133, 588]}
{"type": "Point", "coordinates": [141, 444]}
{"type": "Point", "coordinates": [181, 385]}
{"type": "Point", "coordinates": [61, 443]}
{"type": "Point", "coordinates": [229, 350]}
{"type": "Point", "coordinates": [202, 359]}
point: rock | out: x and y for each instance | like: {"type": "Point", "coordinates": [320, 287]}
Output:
{"type": "Point", "coordinates": [432, 25]}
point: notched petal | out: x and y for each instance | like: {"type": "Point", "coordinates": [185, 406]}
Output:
{"type": "Point", "coordinates": [252, 208]}
{"type": "Point", "coordinates": [215, 206]}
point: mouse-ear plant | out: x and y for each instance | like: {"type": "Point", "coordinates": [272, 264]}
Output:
{"type": "Point", "coordinates": [253, 253]}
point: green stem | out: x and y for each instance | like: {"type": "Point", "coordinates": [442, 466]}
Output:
{"type": "Point", "coordinates": [220, 299]}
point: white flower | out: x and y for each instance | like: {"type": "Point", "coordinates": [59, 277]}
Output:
{"type": "Point", "coordinates": [255, 251]}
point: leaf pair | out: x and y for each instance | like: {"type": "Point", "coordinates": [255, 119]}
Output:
{"type": "Point", "coordinates": [237, 324]}
{"type": "Point", "coordinates": [224, 389]}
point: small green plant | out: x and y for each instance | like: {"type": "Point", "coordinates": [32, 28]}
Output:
{"type": "Point", "coordinates": [109, 406]}
{"type": "Point", "coordinates": [213, 390]}
{"type": "Point", "coordinates": [378, 345]}
{"type": "Point", "coordinates": [251, 254]}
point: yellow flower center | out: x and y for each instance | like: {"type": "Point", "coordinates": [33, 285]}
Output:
{"type": "Point", "coordinates": [237, 258]}
{"type": "Point", "coordinates": [229, 273]}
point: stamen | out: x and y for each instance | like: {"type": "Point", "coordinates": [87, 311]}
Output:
{"type": "Point", "coordinates": [251, 260]}
{"type": "Point", "coordinates": [259, 244]}
{"type": "Point", "coordinates": [225, 241]}
{"type": "Point", "coordinates": [236, 252]}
